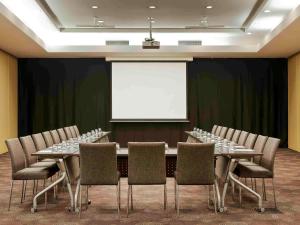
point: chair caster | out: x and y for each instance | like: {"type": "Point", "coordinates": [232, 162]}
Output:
{"type": "Point", "coordinates": [33, 210]}
{"type": "Point", "coordinates": [222, 209]}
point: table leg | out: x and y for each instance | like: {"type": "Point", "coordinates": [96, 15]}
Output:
{"type": "Point", "coordinates": [34, 207]}
{"type": "Point", "coordinates": [260, 208]}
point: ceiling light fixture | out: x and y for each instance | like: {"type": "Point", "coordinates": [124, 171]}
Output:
{"type": "Point", "coordinates": [209, 7]}
{"type": "Point", "coordinates": [267, 11]}
{"type": "Point", "coordinates": [152, 7]}
{"type": "Point", "coordinates": [100, 21]}
{"type": "Point", "coordinates": [249, 33]}
{"type": "Point", "coordinates": [94, 7]}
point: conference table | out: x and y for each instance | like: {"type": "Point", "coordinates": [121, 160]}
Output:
{"type": "Point", "coordinates": [67, 159]}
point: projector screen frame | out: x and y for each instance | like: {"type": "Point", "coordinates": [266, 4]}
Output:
{"type": "Point", "coordinates": [185, 120]}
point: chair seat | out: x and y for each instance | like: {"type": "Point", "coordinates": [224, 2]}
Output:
{"type": "Point", "coordinates": [50, 165]}
{"type": "Point", "coordinates": [247, 163]}
{"type": "Point", "coordinates": [252, 171]}
{"type": "Point", "coordinates": [33, 173]}
{"type": "Point", "coordinates": [193, 182]}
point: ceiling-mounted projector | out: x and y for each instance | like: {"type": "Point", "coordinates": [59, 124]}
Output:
{"type": "Point", "coordinates": [150, 43]}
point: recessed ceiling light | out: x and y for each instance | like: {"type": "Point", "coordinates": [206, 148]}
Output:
{"type": "Point", "coordinates": [267, 11]}
{"type": "Point", "coordinates": [152, 21]}
{"type": "Point", "coordinates": [209, 7]}
{"type": "Point", "coordinates": [94, 7]}
{"type": "Point", "coordinates": [100, 21]}
{"type": "Point", "coordinates": [249, 33]}
{"type": "Point", "coordinates": [152, 7]}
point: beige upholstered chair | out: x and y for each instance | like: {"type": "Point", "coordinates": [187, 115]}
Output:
{"type": "Point", "coordinates": [76, 130]}
{"type": "Point", "coordinates": [98, 166]}
{"type": "Point", "coordinates": [223, 132]}
{"type": "Point", "coordinates": [40, 144]}
{"type": "Point", "coordinates": [48, 138]}
{"type": "Point", "coordinates": [243, 138]}
{"type": "Point", "coordinates": [266, 168]}
{"type": "Point", "coordinates": [19, 169]}
{"type": "Point", "coordinates": [39, 141]}
{"type": "Point", "coordinates": [236, 135]}
{"type": "Point", "coordinates": [218, 131]}
{"type": "Point", "coordinates": [229, 134]}
{"type": "Point", "coordinates": [68, 132]}
{"type": "Point", "coordinates": [73, 132]}
{"type": "Point", "coordinates": [62, 134]}
{"type": "Point", "coordinates": [259, 147]}
{"type": "Point", "coordinates": [250, 141]}
{"type": "Point", "coordinates": [190, 173]}
{"type": "Point", "coordinates": [213, 131]}
{"type": "Point", "coordinates": [146, 166]}
{"type": "Point", "coordinates": [55, 136]}
{"type": "Point", "coordinates": [31, 161]}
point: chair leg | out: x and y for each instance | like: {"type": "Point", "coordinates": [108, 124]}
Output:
{"type": "Point", "coordinates": [274, 194]}
{"type": "Point", "coordinates": [240, 195]}
{"type": "Point", "coordinates": [118, 203]}
{"type": "Point", "coordinates": [33, 188]}
{"type": "Point", "coordinates": [11, 189]}
{"type": "Point", "coordinates": [264, 190]}
{"type": "Point", "coordinates": [87, 197]}
{"type": "Point", "coordinates": [46, 195]}
{"type": "Point", "coordinates": [165, 196]}
{"type": "Point", "coordinates": [175, 194]}
{"type": "Point", "coordinates": [177, 199]}
{"type": "Point", "coordinates": [80, 200]}
{"type": "Point", "coordinates": [128, 196]}
{"type": "Point", "coordinates": [131, 197]}
{"type": "Point", "coordinates": [208, 201]}
{"type": "Point", "coordinates": [119, 194]}
{"type": "Point", "coordinates": [215, 205]}
{"type": "Point", "coordinates": [25, 190]}
{"type": "Point", "coordinates": [22, 193]}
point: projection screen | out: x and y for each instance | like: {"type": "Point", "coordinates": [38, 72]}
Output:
{"type": "Point", "coordinates": [149, 91]}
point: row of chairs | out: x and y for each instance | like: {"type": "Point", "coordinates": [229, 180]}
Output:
{"type": "Point", "coordinates": [146, 166]}
{"type": "Point", "coordinates": [261, 167]}
{"type": "Point", "coordinates": [26, 167]}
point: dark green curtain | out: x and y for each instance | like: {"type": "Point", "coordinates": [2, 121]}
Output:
{"type": "Point", "coordinates": [55, 93]}
{"type": "Point", "coordinates": [248, 94]}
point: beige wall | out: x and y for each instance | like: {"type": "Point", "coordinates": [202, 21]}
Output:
{"type": "Point", "coordinates": [8, 98]}
{"type": "Point", "coordinates": [294, 103]}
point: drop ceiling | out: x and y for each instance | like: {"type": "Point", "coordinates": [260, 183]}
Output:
{"type": "Point", "coordinates": [231, 28]}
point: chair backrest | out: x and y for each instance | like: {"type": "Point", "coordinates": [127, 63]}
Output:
{"type": "Point", "coordinates": [250, 141]}
{"type": "Point", "coordinates": [76, 130]}
{"type": "Point", "coordinates": [55, 136]}
{"type": "Point", "coordinates": [68, 132]}
{"type": "Point", "coordinates": [73, 133]}
{"type": "Point", "coordinates": [213, 131]}
{"type": "Point", "coordinates": [48, 138]}
{"type": "Point", "coordinates": [146, 163]}
{"type": "Point", "coordinates": [39, 141]}
{"type": "Point", "coordinates": [16, 154]}
{"type": "Point", "coordinates": [259, 147]}
{"type": "Point", "coordinates": [62, 134]}
{"type": "Point", "coordinates": [269, 152]}
{"type": "Point", "coordinates": [229, 134]}
{"type": "Point", "coordinates": [29, 148]}
{"type": "Point", "coordinates": [236, 135]}
{"type": "Point", "coordinates": [243, 138]}
{"type": "Point", "coordinates": [98, 164]}
{"type": "Point", "coordinates": [195, 164]}
{"type": "Point", "coordinates": [223, 132]}
{"type": "Point", "coordinates": [218, 131]}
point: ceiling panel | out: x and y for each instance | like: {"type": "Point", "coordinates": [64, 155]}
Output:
{"type": "Point", "coordinates": [168, 14]}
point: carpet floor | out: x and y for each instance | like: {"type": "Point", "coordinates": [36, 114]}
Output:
{"type": "Point", "coordinates": [148, 202]}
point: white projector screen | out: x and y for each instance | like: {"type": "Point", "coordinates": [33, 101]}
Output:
{"type": "Point", "coordinates": [149, 91]}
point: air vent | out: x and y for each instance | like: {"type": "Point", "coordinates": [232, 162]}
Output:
{"type": "Point", "coordinates": [194, 42]}
{"type": "Point", "coordinates": [118, 42]}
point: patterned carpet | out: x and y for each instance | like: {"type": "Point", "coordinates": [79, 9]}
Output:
{"type": "Point", "coordinates": [148, 202]}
